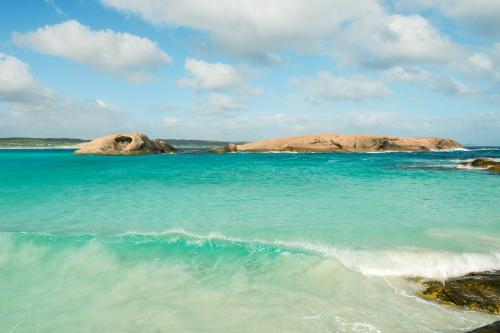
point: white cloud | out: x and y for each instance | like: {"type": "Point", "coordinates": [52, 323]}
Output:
{"type": "Point", "coordinates": [224, 102]}
{"type": "Point", "coordinates": [405, 73]}
{"type": "Point", "coordinates": [219, 103]}
{"type": "Point", "coordinates": [16, 81]}
{"type": "Point", "coordinates": [30, 109]}
{"type": "Point", "coordinates": [355, 88]}
{"type": "Point", "coordinates": [122, 54]}
{"type": "Point", "coordinates": [104, 105]}
{"type": "Point", "coordinates": [388, 40]}
{"type": "Point", "coordinates": [210, 76]}
{"type": "Point", "coordinates": [481, 61]}
{"type": "Point", "coordinates": [170, 121]}
{"type": "Point", "coordinates": [253, 28]}
{"type": "Point", "coordinates": [443, 84]}
{"type": "Point", "coordinates": [381, 122]}
{"type": "Point", "coordinates": [219, 79]}
{"type": "Point", "coordinates": [481, 16]}
{"type": "Point", "coordinates": [482, 64]}
{"type": "Point", "coordinates": [450, 86]}
{"type": "Point", "coordinates": [357, 33]}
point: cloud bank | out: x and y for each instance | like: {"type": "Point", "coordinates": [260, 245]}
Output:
{"type": "Point", "coordinates": [122, 54]}
{"type": "Point", "coordinates": [36, 110]}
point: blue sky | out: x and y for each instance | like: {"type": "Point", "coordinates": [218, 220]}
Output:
{"type": "Point", "coordinates": [246, 70]}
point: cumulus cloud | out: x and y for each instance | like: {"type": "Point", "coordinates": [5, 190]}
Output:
{"type": "Point", "coordinates": [219, 103]}
{"type": "Point", "coordinates": [210, 76]}
{"type": "Point", "coordinates": [17, 84]}
{"type": "Point", "coordinates": [227, 88]}
{"type": "Point", "coordinates": [224, 102]}
{"type": "Point", "coordinates": [122, 54]}
{"type": "Point", "coordinates": [252, 28]}
{"type": "Point", "coordinates": [31, 109]}
{"type": "Point", "coordinates": [484, 63]}
{"type": "Point", "coordinates": [355, 88]}
{"type": "Point", "coordinates": [387, 40]}
{"type": "Point", "coordinates": [356, 33]}
{"type": "Point", "coordinates": [480, 16]}
{"type": "Point", "coordinates": [443, 84]}
{"type": "Point", "coordinates": [370, 34]}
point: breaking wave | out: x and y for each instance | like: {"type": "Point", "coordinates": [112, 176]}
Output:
{"type": "Point", "coordinates": [178, 242]}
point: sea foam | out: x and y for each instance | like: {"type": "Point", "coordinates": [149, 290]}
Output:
{"type": "Point", "coordinates": [405, 263]}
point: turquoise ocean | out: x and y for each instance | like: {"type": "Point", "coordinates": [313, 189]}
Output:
{"type": "Point", "coordinates": [241, 242]}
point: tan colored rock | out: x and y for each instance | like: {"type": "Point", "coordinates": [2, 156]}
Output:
{"type": "Point", "coordinates": [125, 144]}
{"type": "Point", "coordinates": [333, 142]}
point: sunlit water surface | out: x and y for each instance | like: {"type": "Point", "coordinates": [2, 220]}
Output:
{"type": "Point", "coordinates": [240, 242]}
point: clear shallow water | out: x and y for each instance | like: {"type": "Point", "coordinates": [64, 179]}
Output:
{"type": "Point", "coordinates": [240, 242]}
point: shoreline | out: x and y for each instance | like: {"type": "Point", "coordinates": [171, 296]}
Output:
{"type": "Point", "coordinates": [465, 148]}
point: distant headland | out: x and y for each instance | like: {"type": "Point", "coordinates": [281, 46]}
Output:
{"type": "Point", "coordinates": [28, 142]}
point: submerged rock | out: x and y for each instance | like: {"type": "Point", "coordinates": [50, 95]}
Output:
{"type": "Point", "coordinates": [483, 163]}
{"type": "Point", "coordinates": [491, 328]}
{"type": "Point", "coordinates": [125, 144]}
{"type": "Point", "coordinates": [333, 142]}
{"type": "Point", "coordinates": [474, 291]}
{"type": "Point", "coordinates": [230, 148]}
{"type": "Point", "coordinates": [164, 146]}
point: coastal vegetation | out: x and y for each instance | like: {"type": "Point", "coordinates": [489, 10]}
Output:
{"type": "Point", "coordinates": [25, 142]}
{"type": "Point", "coordinates": [39, 142]}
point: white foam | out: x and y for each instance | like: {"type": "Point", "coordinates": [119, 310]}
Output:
{"type": "Point", "coordinates": [384, 152]}
{"type": "Point", "coordinates": [468, 167]}
{"type": "Point", "coordinates": [416, 263]}
{"type": "Point", "coordinates": [449, 150]}
{"type": "Point", "coordinates": [472, 159]}
{"type": "Point", "coordinates": [417, 151]}
{"type": "Point", "coordinates": [489, 148]}
{"type": "Point", "coordinates": [430, 264]}
{"type": "Point", "coordinates": [407, 263]}
{"type": "Point", "coordinates": [280, 152]}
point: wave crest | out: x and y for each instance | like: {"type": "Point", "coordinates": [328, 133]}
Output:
{"type": "Point", "coordinates": [404, 263]}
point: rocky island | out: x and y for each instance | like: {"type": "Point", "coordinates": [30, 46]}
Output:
{"type": "Point", "coordinates": [330, 142]}
{"type": "Point", "coordinates": [125, 144]}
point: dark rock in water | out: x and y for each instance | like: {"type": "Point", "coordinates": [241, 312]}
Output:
{"type": "Point", "coordinates": [226, 149]}
{"type": "Point", "coordinates": [164, 146]}
{"type": "Point", "coordinates": [495, 168]}
{"type": "Point", "coordinates": [474, 291]}
{"type": "Point", "coordinates": [492, 328]}
{"type": "Point", "coordinates": [484, 163]}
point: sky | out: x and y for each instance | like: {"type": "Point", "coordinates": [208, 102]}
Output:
{"type": "Point", "coordinates": [250, 69]}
